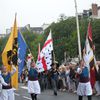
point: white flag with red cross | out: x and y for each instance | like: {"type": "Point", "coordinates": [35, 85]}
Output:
{"type": "Point", "coordinates": [44, 61]}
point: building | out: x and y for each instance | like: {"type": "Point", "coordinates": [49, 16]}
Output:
{"type": "Point", "coordinates": [93, 12]}
{"type": "Point", "coordinates": [37, 30]}
{"type": "Point", "coordinates": [87, 13]}
{"type": "Point", "coordinates": [45, 26]}
{"type": "Point", "coordinates": [2, 35]}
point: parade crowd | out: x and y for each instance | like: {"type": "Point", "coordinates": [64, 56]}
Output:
{"type": "Point", "coordinates": [67, 77]}
{"type": "Point", "coordinates": [72, 77]}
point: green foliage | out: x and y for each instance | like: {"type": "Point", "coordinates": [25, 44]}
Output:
{"type": "Point", "coordinates": [2, 46]}
{"type": "Point", "coordinates": [32, 41]}
{"type": "Point", "coordinates": [64, 36]}
{"type": "Point", "coordinates": [96, 37]}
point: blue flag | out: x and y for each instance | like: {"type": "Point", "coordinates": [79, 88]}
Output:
{"type": "Point", "coordinates": [22, 47]}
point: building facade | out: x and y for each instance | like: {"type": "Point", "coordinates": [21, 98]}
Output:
{"type": "Point", "coordinates": [93, 12]}
{"type": "Point", "coordinates": [37, 30]}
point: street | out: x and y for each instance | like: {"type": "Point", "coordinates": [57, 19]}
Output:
{"type": "Point", "coordinates": [22, 94]}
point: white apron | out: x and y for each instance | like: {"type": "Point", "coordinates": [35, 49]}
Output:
{"type": "Point", "coordinates": [7, 94]}
{"type": "Point", "coordinates": [84, 89]}
{"type": "Point", "coordinates": [33, 87]}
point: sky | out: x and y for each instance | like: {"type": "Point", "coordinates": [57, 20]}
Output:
{"type": "Point", "coordinates": [38, 12]}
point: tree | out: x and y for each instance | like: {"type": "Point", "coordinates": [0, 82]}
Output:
{"type": "Point", "coordinates": [64, 35]}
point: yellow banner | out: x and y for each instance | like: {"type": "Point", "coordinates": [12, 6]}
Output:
{"type": "Point", "coordinates": [10, 54]}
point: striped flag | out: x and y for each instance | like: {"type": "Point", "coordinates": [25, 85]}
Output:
{"type": "Point", "coordinates": [44, 61]}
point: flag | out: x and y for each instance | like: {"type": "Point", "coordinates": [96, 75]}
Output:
{"type": "Point", "coordinates": [39, 63]}
{"type": "Point", "coordinates": [44, 61]}
{"type": "Point", "coordinates": [10, 54]}
{"type": "Point", "coordinates": [89, 57]}
{"type": "Point", "coordinates": [22, 47]}
{"type": "Point", "coordinates": [29, 60]}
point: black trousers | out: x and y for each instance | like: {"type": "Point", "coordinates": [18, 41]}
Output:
{"type": "Point", "coordinates": [81, 97]}
{"type": "Point", "coordinates": [34, 96]}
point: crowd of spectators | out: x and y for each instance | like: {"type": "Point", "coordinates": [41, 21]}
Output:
{"type": "Point", "coordinates": [66, 78]}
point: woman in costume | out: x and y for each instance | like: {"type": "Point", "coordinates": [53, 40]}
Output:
{"type": "Point", "coordinates": [8, 91]}
{"type": "Point", "coordinates": [84, 87]}
{"type": "Point", "coordinates": [33, 83]}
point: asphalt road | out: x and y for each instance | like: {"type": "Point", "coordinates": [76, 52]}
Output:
{"type": "Point", "coordinates": [22, 94]}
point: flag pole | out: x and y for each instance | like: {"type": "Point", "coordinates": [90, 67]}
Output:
{"type": "Point", "coordinates": [38, 51]}
{"type": "Point", "coordinates": [15, 14]}
{"type": "Point", "coordinates": [53, 54]}
{"type": "Point", "coordinates": [78, 32]}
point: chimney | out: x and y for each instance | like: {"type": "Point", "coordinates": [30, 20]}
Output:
{"type": "Point", "coordinates": [94, 10]}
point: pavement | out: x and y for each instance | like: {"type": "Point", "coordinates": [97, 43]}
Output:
{"type": "Point", "coordinates": [22, 94]}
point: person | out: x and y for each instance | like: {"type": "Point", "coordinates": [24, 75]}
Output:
{"type": "Point", "coordinates": [8, 91]}
{"type": "Point", "coordinates": [67, 78]}
{"type": "Point", "coordinates": [26, 76]}
{"type": "Point", "coordinates": [72, 76]}
{"type": "Point", "coordinates": [97, 84]}
{"type": "Point", "coordinates": [60, 81]}
{"type": "Point", "coordinates": [33, 83]}
{"type": "Point", "coordinates": [2, 82]}
{"type": "Point", "coordinates": [54, 78]}
{"type": "Point", "coordinates": [84, 86]}
{"type": "Point", "coordinates": [62, 78]}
